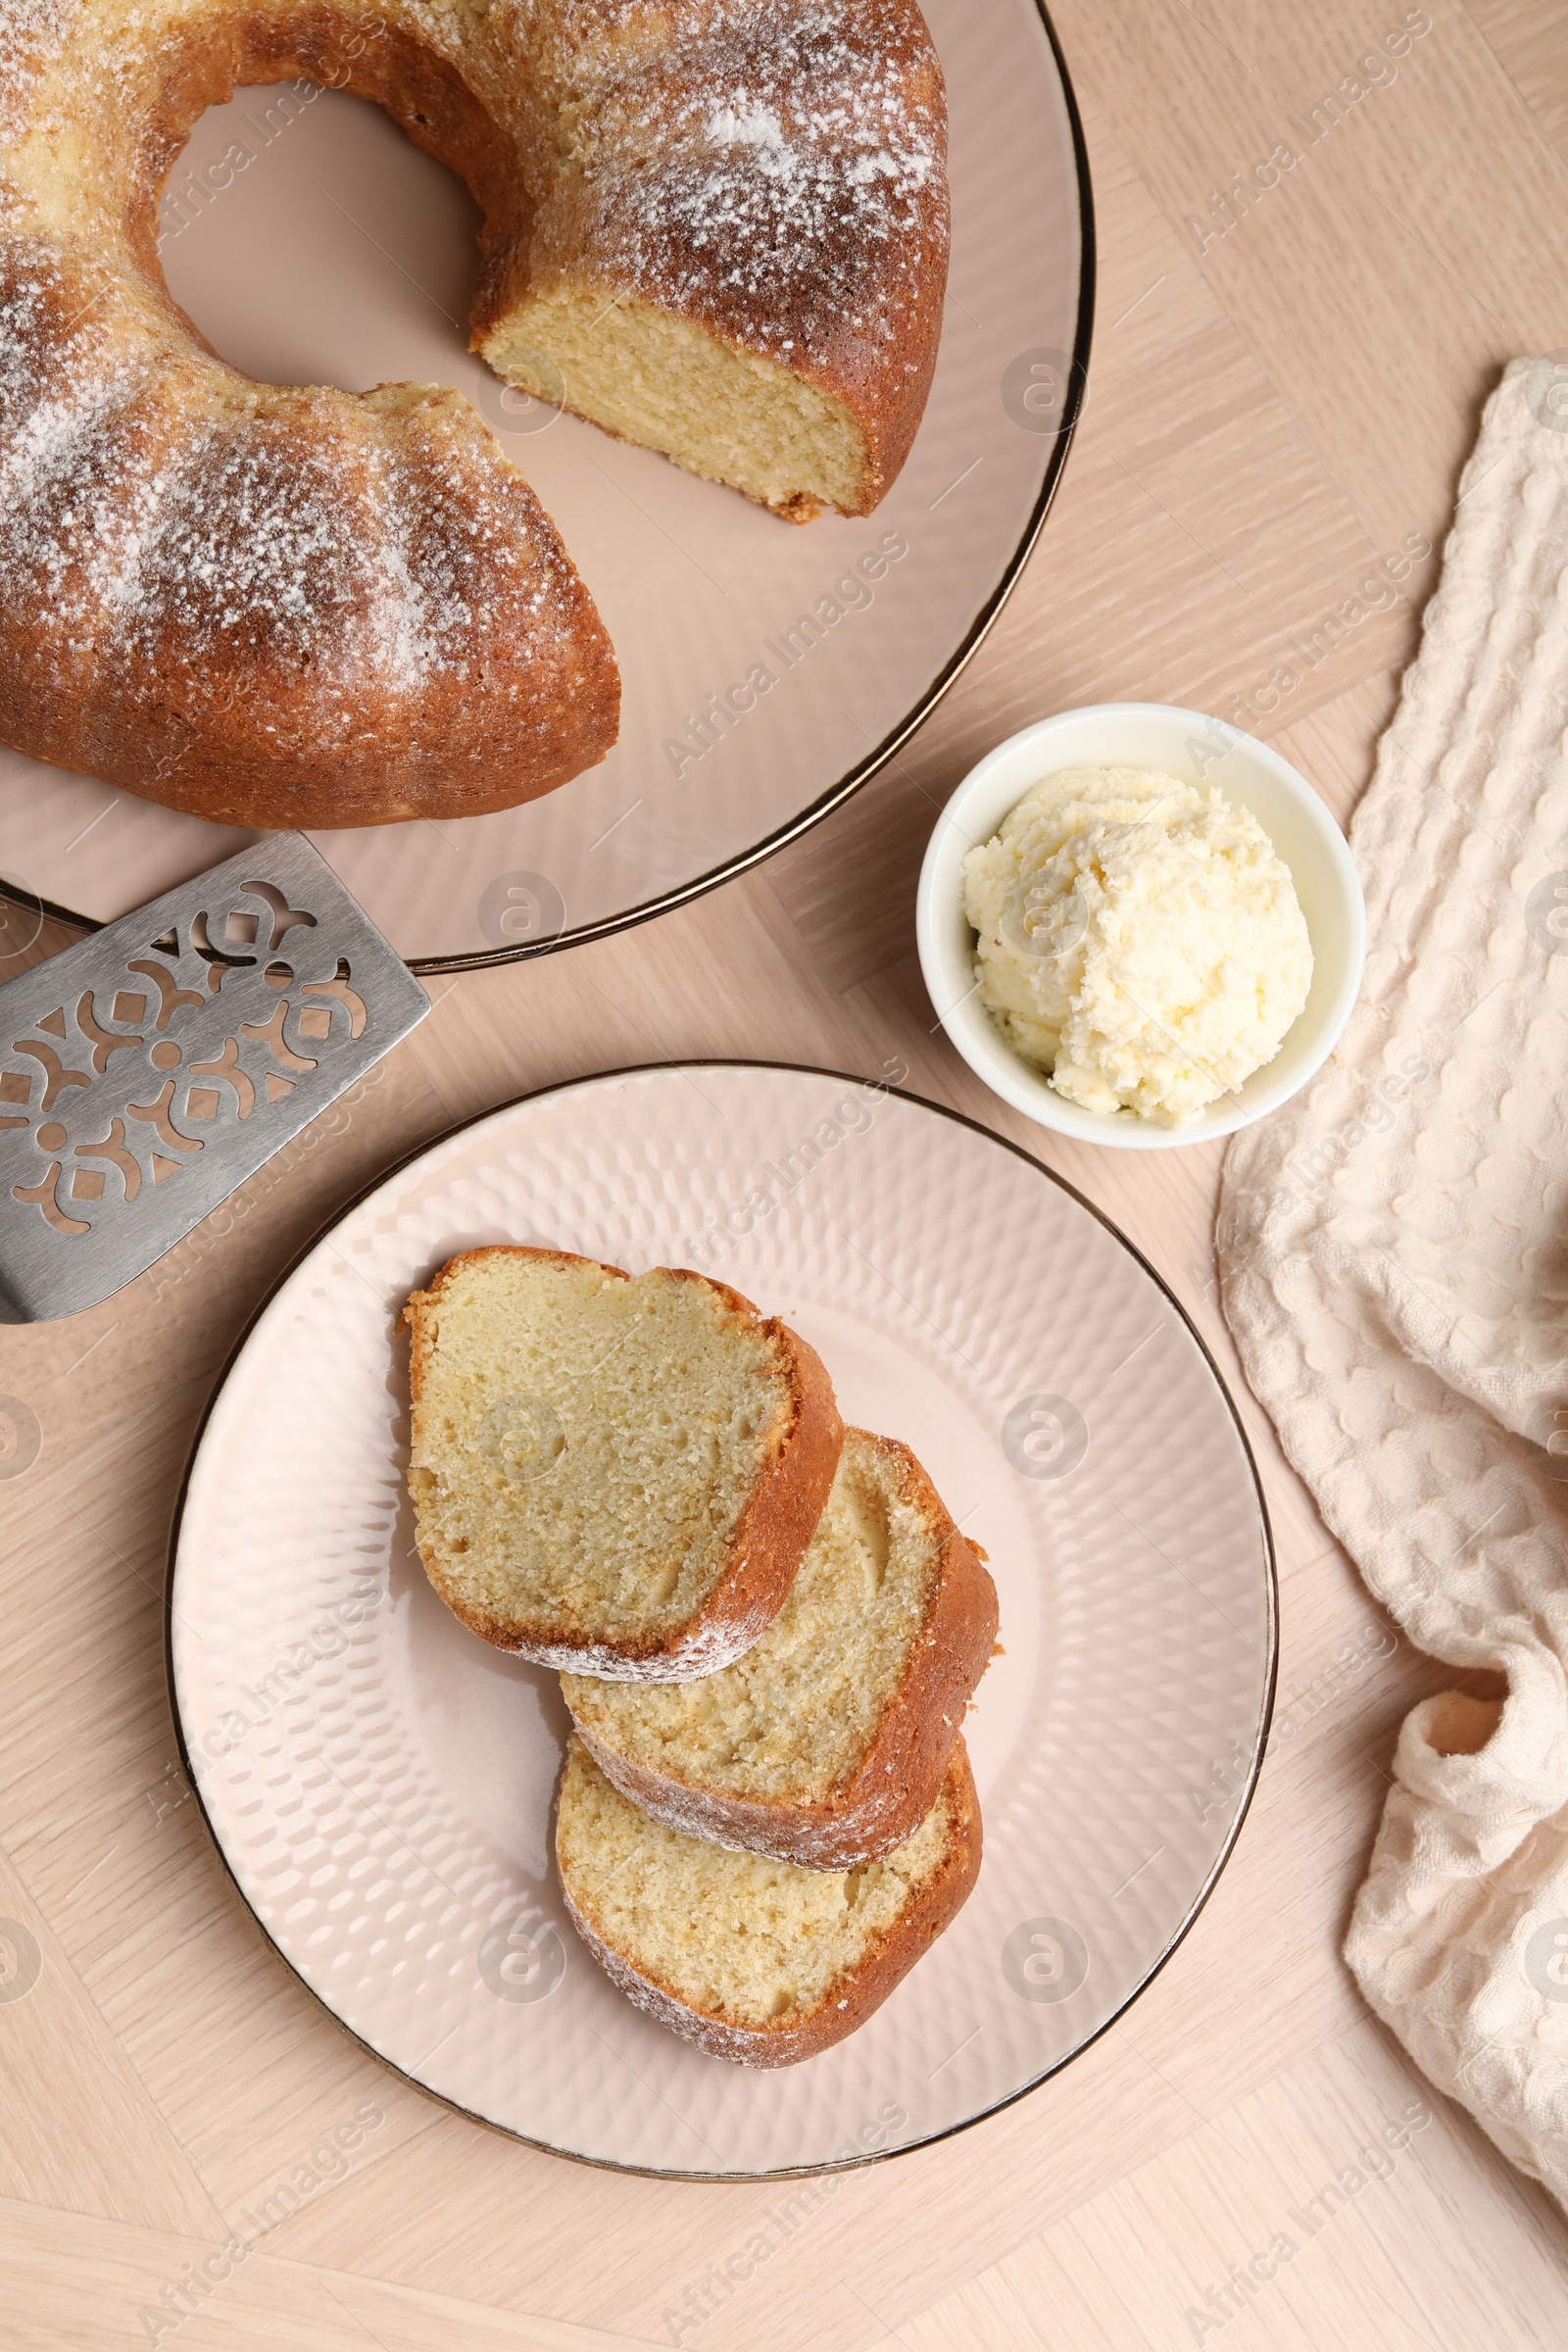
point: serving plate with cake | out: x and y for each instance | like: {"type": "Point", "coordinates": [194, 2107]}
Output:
{"type": "Point", "coordinates": [723, 1621]}
{"type": "Point", "coordinates": [445, 513]}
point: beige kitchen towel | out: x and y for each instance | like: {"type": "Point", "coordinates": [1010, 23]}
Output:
{"type": "Point", "coordinates": [1393, 1257]}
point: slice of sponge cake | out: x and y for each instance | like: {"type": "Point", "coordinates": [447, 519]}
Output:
{"type": "Point", "coordinates": [615, 1476]}
{"type": "Point", "coordinates": [826, 1744]}
{"type": "Point", "coordinates": [752, 1959]}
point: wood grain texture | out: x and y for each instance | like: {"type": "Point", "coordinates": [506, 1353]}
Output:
{"type": "Point", "coordinates": [1272, 410]}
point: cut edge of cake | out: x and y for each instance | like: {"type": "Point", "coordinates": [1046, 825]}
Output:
{"type": "Point", "coordinates": [673, 385]}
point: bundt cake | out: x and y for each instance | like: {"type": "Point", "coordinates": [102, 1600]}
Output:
{"type": "Point", "coordinates": [718, 228]}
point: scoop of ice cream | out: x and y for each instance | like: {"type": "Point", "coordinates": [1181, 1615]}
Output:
{"type": "Point", "coordinates": [1139, 939]}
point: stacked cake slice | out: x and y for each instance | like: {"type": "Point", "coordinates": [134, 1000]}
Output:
{"type": "Point", "coordinates": [770, 1630]}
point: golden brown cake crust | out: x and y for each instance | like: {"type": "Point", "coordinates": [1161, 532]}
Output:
{"type": "Point", "coordinates": [278, 606]}
{"type": "Point", "coordinates": [765, 1550]}
{"type": "Point", "coordinates": [271, 606]}
{"type": "Point", "coordinates": [853, 1998]}
{"type": "Point", "coordinates": [896, 1781]}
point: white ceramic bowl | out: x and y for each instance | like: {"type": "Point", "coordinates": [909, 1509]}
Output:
{"type": "Point", "coordinates": [1201, 751]}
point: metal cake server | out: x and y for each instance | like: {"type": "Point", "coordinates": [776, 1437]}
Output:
{"type": "Point", "coordinates": [148, 1070]}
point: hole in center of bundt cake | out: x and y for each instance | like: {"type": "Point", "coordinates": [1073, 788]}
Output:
{"type": "Point", "coordinates": [312, 243]}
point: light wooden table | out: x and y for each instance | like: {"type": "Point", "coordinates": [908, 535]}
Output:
{"type": "Point", "coordinates": [1272, 410]}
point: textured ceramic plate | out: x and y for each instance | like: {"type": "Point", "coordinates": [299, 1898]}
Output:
{"type": "Point", "coordinates": [336, 253]}
{"type": "Point", "coordinates": [380, 1782]}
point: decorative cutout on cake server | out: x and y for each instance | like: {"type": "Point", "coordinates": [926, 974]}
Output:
{"type": "Point", "coordinates": [146, 1072]}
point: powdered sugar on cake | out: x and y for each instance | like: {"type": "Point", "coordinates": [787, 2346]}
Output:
{"type": "Point", "coordinates": [140, 505]}
{"type": "Point", "coordinates": [32, 32]}
{"type": "Point", "coordinates": [287, 605]}
{"type": "Point", "coordinates": [778, 168]}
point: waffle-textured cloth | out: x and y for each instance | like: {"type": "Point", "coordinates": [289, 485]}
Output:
{"type": "Point", "coordinates": [1394, 1253]}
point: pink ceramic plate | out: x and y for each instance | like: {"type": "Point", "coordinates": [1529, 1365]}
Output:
{"type": "Point", "coordinates": [380, 1782]}
{"type": "Point", "coordinates": [338, 253]}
